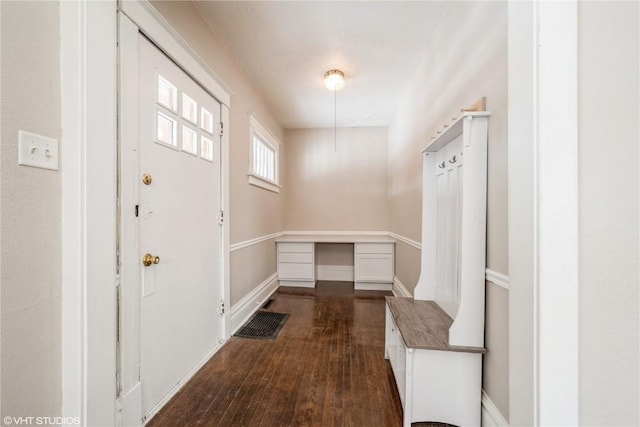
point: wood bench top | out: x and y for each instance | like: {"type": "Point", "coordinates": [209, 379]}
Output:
{"type": "Point", "coordinates": [424, 325]}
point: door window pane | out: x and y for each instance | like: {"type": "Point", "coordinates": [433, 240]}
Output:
{"type": "Point", "coordinates": [166, 129]}
{"type": "Point", "coordinates": [167, 94]}
{"type": "Point", "coordinates": [189, 140]}
{"type": "Point", "coordinates": [189, 109]}
{"type": "Point", "coordinates": [206, 148]}
{"type": "Point", "coordinates": [206, 120]}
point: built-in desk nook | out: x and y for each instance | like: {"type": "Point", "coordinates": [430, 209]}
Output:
{"type": "Point", "coordinates": [435, 340]}
{"type": "Point", "coordinates": [373, 260]}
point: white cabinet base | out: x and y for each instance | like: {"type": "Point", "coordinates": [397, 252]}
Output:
{"type": "Point", "coordinates": [296, 264]}
{"type": "Point", "coordinates": [297, 283]}
{"type": "Point", "coordinates": [373, 267]}
{"type": "Point", "coordinates": [434, 385]}
{"type": "Point", "coordinates": [443, 386]}
{"type": "Point", "coordinates": [366, 286]}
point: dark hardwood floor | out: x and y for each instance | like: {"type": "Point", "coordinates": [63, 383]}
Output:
{"type": "Point", "coordinates": [326, 368]}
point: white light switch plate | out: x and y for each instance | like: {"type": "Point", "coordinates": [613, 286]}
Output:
{"type": "Point", "coordinates": [37, 151]}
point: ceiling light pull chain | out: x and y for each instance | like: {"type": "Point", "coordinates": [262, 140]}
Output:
{"type": "Point", "coordinates": [334, 80]}
{"type": "Point", "coordinates": [335, 122]}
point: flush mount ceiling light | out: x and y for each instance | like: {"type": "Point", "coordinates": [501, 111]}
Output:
{"type": "Point", "coordinates": [334, 80]}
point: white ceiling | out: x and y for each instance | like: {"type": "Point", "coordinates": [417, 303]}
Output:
{"type": "Point", "coordinates": [286, 46]}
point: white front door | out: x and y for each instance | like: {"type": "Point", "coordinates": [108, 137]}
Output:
{"type": "Point", "coordinates": [179, 201]}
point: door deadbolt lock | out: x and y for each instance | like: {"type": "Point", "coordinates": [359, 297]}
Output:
{"type": "Point", "coordinates": [146, 179]}
{"type": "Point", "coordinates": [149, 259]}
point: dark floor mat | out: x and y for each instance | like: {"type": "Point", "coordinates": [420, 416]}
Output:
{"type": "Point", "coordinates": [263, 325]}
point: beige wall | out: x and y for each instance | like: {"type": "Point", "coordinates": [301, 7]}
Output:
{"type": "Point", "coordinates": [250, 267]}
{"type": "Point", "coordinates": [608, 212]}
{"type": "Point", "coordinates": [337, 189]}
{"type": "Point", "coordinates": [407, 265]}
{"type": "Point", "coordinates": [30, 249]}
{"type": "Point", "coordinates": [495, 367]}
{"type": "Point", "coordinates": [466, 59]}
{"type": "Point", "coordinates": [254, 211]}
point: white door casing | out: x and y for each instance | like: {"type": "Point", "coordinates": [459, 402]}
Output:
{"type": "Point", "coordinates": [93, 327]}
{"type": "Point", "coordinates": [88, 175]}
{"type": "Point", "coordinates": [543, 213]}
{"type": "Point", "coordinates": [169, 319]}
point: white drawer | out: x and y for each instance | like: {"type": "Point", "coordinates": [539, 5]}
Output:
{"type": "Point", "coordinates": [374, 268]}
{"type": "Point", "coordinates": [295, 247]}
{"type": "Point", "coordinates": [295, 257]}
{"type": "Point", "coordinates": [374, 248]}
{"type": "Point", "coordinates": [293, 271]}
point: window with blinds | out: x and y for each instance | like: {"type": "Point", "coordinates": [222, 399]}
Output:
{"type": "Point", "coordinates": [264, 157]}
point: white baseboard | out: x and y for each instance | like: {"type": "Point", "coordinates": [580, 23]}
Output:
{"type": "Point", "coordinates": [130, 405]}
{"type": "Point", "coordinates": [365, 286]}
{"type": "Point", "coordinates": [298, 283]}
{"type": "Point", "coordinates": [176, 388]}
{"type": "Point", "coordinates": [399, 289]}
{"type": "Point", "coordinates": [491, 416]}
{"type": "Point", "coordinates": [338, 273]}
{"type": "Point", "coordinates": [243, 309]}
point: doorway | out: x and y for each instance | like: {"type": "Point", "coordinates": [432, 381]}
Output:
{"type": "Point", "coordinates": [171, 232]}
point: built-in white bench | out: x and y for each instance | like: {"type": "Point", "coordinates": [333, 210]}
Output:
{"type": "Point", "coordinates": [435, 341]}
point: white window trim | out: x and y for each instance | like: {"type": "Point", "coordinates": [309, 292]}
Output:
{"type": "Point", "coordinates": [259, 181]}
{"type": "Point", "coordinates": [256, 127]}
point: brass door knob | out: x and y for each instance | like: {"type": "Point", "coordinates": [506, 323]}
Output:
{"type": "Point", "coordinates": [149, 259]}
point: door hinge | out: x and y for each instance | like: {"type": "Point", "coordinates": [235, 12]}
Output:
{"type": "Point", "coordinates": [221, 128]}
{"type": "Point", "coordinates": [221, 308]}
{"type": "Point", "coordinates": [220, 218]}
{"type": "Point", "coordinates": [137, 210]}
